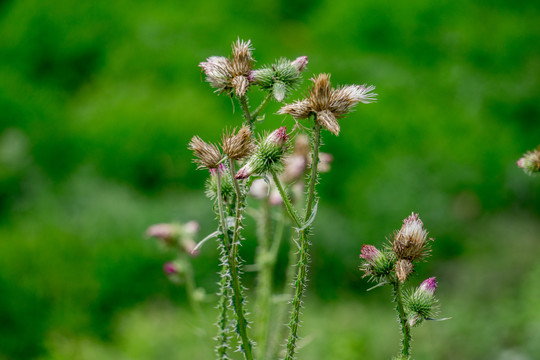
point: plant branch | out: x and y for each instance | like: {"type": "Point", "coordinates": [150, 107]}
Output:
{"type": "Point", "coordinates": [405, 329]}
{"type": "Point", "coordinates": [286, 201]}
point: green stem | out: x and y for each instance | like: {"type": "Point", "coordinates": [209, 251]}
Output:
{"type": "Point", "coordinates": [247, 113]}
{"type": "Point", "coordinates": [261, 106]}
{"type": "Point", "coordinates": [265, 265]}
{"type": "Point", "coordinates": [238, 300]}
{"type": "Point", "coordinates": [223, 336]}
{"type": "Point", "coordinates": [191, 287]}
{"type": "Point", "coordinates": [300, 284]}
{"type": "Point", "coordinates": [286, 201]}
{"type": "Point", "coordinates": [405, 329]}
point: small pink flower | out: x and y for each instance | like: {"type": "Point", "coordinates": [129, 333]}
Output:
{"type": "Point", "coordinates": [521, 163]}
{"type": "Point", "coordinates": [369, 253]}
{"type": "Point", "coordinates": [429, 286]}
{"type": "Point", "coordinates": [191, 227]}
{"type": "Point", "coordinates": [170, 268]}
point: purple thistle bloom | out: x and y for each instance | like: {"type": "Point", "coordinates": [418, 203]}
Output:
{"type": "Point", "coordinates": [369, 253]}
{"type": "Point", "coordinates": [278, 137]}
{"type": "Point", "coordinates": [429, 286]}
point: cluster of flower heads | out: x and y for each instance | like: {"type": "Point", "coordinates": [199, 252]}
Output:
{"type": "Point", "coordinates": [530, 162]}
{"type": "Point", "coordinates": [396, 263]}
{"type": "Point", "coordinates": [234, 75]}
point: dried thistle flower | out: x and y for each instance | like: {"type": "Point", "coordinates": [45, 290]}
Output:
{"type": "Point", "coordinates": [530, 162]}
{"type": "Point", "coordinates": [410, 242]}
{"type": "Point", "coordinates": [238, 146]}
{"type": "Point", "coordinates": [329, 104]}
{"type": "Point", "coordinates": [231, 75]}
{"type": "Point", "coordinates": [207, 155]}
{"type": "Point", "coordinates": [403, 269]}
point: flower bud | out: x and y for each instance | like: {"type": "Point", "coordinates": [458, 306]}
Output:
{"type": "Point", "coordinates": [268, 157]}
{"type": "Point", "coordinates": [300, 63]}
{"type": "Point", "coordinates": [171, 268]}
{"type": "Point", "coordinates": [227, 187]}
{"type": "Point", "coordinates": [428, 286]}
{"type": "Point", "coordinates": [421, 303]}
{"type": "Point", "coordinates": [377, 263]}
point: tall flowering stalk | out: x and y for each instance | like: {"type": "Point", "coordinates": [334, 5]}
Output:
{"type": "Point", "coordinates": [237, 166]}
{"type": "Point", "coordinates": [393, 266]}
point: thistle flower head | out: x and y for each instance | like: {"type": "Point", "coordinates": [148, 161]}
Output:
{"type": "Point", "coordinates": [268, 156]}
{"type": "Point", "coordinates": [281, 77]}
{"type": "Point", "coordinates": [369, 253]}
{"type": "Point", "coordinates": [230, 75]}
{"type": "Point", "coordinates": [428, 286]}
{"type": "Point", "coordinates": [329, 104]}
{"type": "Point", "coordinates": [377, 264]}
{"type": "Point", "coordinates": [207, 155]}
{"type": "Point", "coordinates": [238, 146]}
{"type": "Point", "coordinates": [421, 303]}
{"type": "Point", "coordinates": [530, 162]}
{"type": "Point", "coordinates": [410, 242]}
{"type": "Point", "coordinates": [227, 186]}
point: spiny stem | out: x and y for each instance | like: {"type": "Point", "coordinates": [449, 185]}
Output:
{"type": "Point", "coordinates": [247, 113]}
{"type": "Point", "coordinates": [314, 168]}
{"type": "Point", "coordinates": [261, 106]}
{"type": "Point", "coordinates": [221, 213]}
{"type": "Point", "coordinates": [235, 276]}
{"type": "Point", "coordinates": [405, 329]}
{"type": "Point", "coordinates": [303, 262]}
{"type": "Point", "coordinates": [223, 336]}
{"type": "Point", "coordinates": [286, 201]}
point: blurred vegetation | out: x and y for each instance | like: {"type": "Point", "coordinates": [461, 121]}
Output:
{"type": "Point", "coordinates": [99, 99]}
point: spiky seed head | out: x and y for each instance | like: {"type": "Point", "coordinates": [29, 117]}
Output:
{"type": "Point", "coordinates": [218, 72]}
{"type": "Point", "coordinates": [319, 94]}
{"type": "Point", "coordinates": [207, 155]}
{"type": "Point", "coordinates": [300, 63]}
{"type": "Point", "coordinates": [403, 269]}
{"type": "Point", "coordinates": [298, 110]}
{"type": "Point", "coordinates": [238, 146]}
{"type": "Point", "coordinates": [410, 242]}
{"type": "Point", "coordinates": [530, 162]}
{"type": "Point", "coordinates": [242, 59]}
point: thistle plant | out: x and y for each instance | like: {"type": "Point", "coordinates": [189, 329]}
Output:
{"type": "Point", "coordinates": [394, 265]}
{"type": "Point", "coordinates": [280, 170]}
{"type": "Point", "coordinates": [530, 162]}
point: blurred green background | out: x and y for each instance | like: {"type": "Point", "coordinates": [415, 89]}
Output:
{"type": "Point", "coordinates": [98, 100]}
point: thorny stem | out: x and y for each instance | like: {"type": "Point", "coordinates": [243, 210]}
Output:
{"type": "Point", "coordinates": [405, 329]}
{"type": "Point", "coordinates": [303, 262]}
{"type": "Point", "coordinates": [238, 300]}
{"type": "Point", "coordinates": [247, 113]}
{"type": "Point", "coordinates": [223, 335]}
{"type": "Point", "coordinates": [286, 201]}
